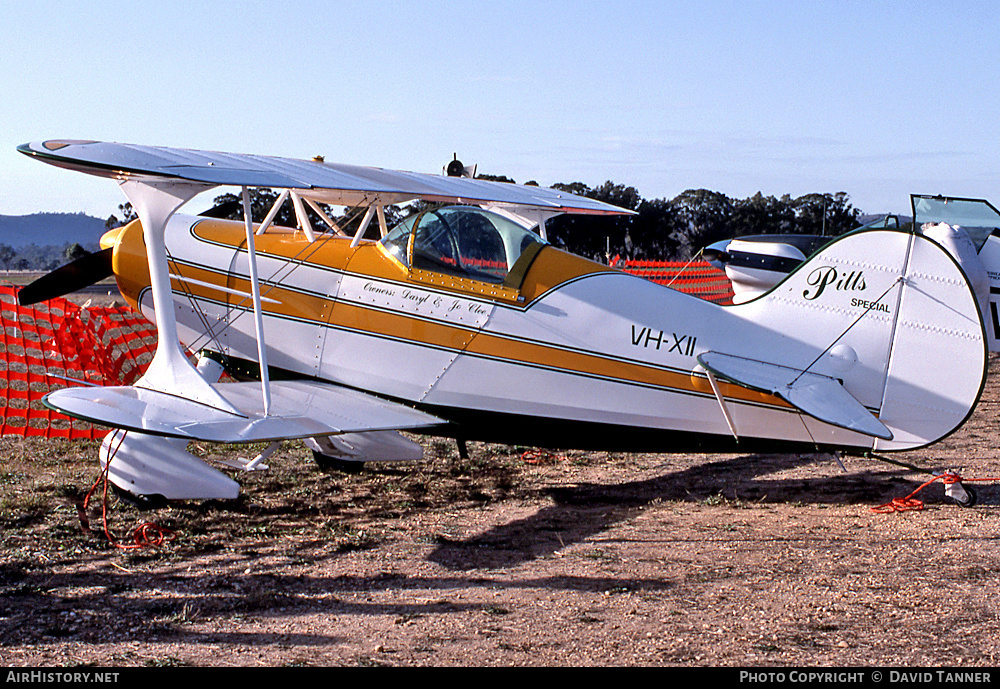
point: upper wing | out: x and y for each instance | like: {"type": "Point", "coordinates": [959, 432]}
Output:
{"type": "Point", "coordinates": [321, 181]}
{"type": "Point", "coordinates": [818, 396]}
{"type": "Point", "coordinates": [299, 409]}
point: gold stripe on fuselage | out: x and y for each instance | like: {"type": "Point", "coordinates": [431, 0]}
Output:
{"type": "Point", "coordinates": [551, 269]}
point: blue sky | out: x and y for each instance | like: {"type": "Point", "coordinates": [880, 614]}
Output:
{"type": "Point", "coordinates": [878, 99]}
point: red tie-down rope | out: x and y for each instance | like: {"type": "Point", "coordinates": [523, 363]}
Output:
{"type": "Point", "coordinates": [539, 456]}
{"type": "Point", "coordinates": [144, 534]}
{"type": "Point", "coordinates": [910, 503]}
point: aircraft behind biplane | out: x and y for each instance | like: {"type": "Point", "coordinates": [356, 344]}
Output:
{"type": "Point", "coordinates": [463, 321]}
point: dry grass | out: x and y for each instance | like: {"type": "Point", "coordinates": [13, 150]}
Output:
{"type": "Point", "coordinates": [567, 559]}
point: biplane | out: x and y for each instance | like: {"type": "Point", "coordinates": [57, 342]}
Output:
{"type": "Point", "coordinates": [463, 321]}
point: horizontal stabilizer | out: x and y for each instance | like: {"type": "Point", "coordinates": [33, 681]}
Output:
{"type": "Point", "coordinates": [821, 397]}
{"type": "Point", "coordinates": [299, 409]}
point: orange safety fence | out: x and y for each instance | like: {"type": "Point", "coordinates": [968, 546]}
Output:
{"type": "Point", "coordinates": [699, 278]}
{"type": "Point", "coordinates": [58, 344]}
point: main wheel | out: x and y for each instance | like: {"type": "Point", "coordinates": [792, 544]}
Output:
{"type": "Point", "coordinates": [328, 463]}
{"type": "Point", "coordinates": [142, 502]}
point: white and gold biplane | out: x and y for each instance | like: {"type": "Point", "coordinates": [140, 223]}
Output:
{"type": "Point", "coordinates": [463, 321]}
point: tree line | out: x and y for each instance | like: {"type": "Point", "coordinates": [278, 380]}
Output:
{"type": "Point", "coordinates": [660, 229]}
{"type": "Point", "coordinates": [34, 257]}
{"type": "Point", "coordinates": [677, 229]}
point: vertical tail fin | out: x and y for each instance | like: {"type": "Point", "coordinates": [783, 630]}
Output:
{"type": "Point", "coordinates": [890, 315]}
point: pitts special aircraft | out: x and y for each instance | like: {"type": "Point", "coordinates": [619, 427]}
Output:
{"type": "Point", "coordinates": [464, 322]}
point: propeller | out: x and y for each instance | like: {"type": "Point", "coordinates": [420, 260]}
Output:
{"type": "Point", "coordinates": [456, 169]}
{"type": "Point", "coordinates": [73, 276]}
{"type": "Point", "coordinates": [716, 254]}
{"type": "Point", "coordinates": [91, 268]}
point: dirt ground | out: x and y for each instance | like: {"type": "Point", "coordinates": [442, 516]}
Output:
{"type": "Point", "coordinates": [512, 559]}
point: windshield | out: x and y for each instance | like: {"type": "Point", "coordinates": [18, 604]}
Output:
{"type": "Point", "coordinates": [976, 216]}
{"type": "Point", "coordinates": [461, 240]}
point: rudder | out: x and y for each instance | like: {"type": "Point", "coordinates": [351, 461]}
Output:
{"type": "Point", "coordinates": [891, 316]}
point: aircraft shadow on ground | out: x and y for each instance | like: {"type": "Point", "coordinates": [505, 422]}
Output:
{"type": "Point", "coordinates": [89, 607]}
{"type": "Point", "coordinates": [38, 605]}
{"type": "Point", "coordinates": [579, 512]}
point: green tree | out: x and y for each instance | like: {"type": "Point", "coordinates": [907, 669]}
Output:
{"type": "Point", "coordinates": [653, 233]}
{"type": "Point", "coordinates": [75, 251]}
{"type": "Point", "coordinates": [705, 217]}
{"type": "Point", "coordinates": [596, 236]}
{"type": "Point", "coordinates": [496, 178]}
{"type": "Point", "coordinates": [127, 213]}
{"type": "Point", "coordinates": [761, 214]}
{"type": "Point", "coordinates": [7, 254]}
{"type": "Point", "coordinates": [825, 214]}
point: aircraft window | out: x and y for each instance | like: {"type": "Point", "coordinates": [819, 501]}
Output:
{"type": "Point", "coordinates": [460, 240]}
{"type": "Point", "coordinates": [435, 244]}
{"type": "Point", "coordinates": [398, 239]}
{"type": "Point", "coordinates": [976, 216]}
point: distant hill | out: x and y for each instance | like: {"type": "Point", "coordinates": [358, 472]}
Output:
{"type": "Point", "coordinates": [55, 229]}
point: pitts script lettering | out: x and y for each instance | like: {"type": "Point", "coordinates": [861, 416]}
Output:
{"type": "Point", "coordinates": [827, 276]}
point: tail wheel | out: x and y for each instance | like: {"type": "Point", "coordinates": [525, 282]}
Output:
{"type": "Point", "coordinates": [969, 500]}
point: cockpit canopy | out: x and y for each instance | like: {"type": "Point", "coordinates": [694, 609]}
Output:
{"type": "Point", "coordinates": [977, 217]}
{"type": "Point", "coordinates": [465, 241]}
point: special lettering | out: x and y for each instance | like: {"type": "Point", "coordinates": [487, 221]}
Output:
{"type": "Point", "coordinates": [426, 303]}
{"type": "Point", "coordinates": [378, 289]}
{"type": "Point", "coordinates": [870, 305]}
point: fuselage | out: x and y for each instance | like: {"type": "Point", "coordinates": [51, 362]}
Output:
{"type": "Point", "coordinates": [572, 354]}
